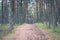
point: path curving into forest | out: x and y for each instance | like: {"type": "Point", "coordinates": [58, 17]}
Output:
{"type": "Point", "coordinates": [27, 32]}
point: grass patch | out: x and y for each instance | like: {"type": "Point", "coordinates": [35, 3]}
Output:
{"type": "Point", "coordinates": [55, 35]}
{"type": "Point", "coordinates": [4, 26]}
{"type": "Point", "coordinates": [58, 28]}
{"type": "Point", "coordinates": [4, 30]}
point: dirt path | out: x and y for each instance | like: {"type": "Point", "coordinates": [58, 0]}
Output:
{"type": "Point", "coordinates": [27, 32]}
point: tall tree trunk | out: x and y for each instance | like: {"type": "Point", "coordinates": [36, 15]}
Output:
{"type": "Point", "coordinates": [2, 12]}
{"type": "Point", "coordinates": [55, 15]}
{"type": "Point", "coordinates": [24, 9]}
{"type": "Point", "coordinates": [11, 14]}
{"type": "Point", "coordinates": [37, 10]}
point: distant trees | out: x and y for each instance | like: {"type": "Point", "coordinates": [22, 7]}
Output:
{"type": "Point", "coordinates": [4, 11]}
{"type": "Point", "coordinates": [58, 3]}
{"type": "Point", "coordinates": [22, 6]}
{"type": "Point", "coordinates": [17, 11]}
{"type": "Point", "coordinates": [48, 12]}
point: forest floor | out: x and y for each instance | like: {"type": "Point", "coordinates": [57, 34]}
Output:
{"type": "Point", "coordinates": [27, 32]}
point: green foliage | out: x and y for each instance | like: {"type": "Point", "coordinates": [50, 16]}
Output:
{"type": "Point", "coordinates": [4, 26]}
{"type": "Point", "coordinates": [43, 26]}
{"type": "Point", "coordinates": [58, 28]}
{"type": "Point", "coordinates": [55, 35]}
{"type": "Point", "coordinates": [5, 29]}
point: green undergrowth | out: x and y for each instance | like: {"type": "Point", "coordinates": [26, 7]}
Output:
{"type": "Point", "coordinates": [55, 35]}
{"type": "Point", "coordinates": [4, 30]}
{"type": "Point", "coordinates": [3, 27]}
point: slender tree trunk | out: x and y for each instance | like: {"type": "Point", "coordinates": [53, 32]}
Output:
{"type": "Point", "coordinates": [2, 13]}
{"type": "Point", "coordinates": [37, 10]}
{"type": "Point", "coordinates": [55, 15]}
{"type": "Point", "coordinates": [24, 9]}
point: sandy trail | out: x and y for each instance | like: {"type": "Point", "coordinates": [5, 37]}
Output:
{"type": "Point", "coordinates": [27, 32]}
